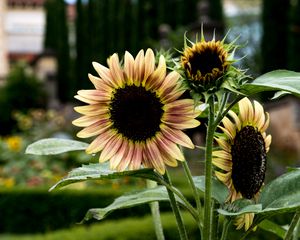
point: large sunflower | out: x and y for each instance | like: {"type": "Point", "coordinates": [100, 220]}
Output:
{"type": "Point", "coordinates": [241, 162]}
{"type": "Point", "coordinates": [136, 114]}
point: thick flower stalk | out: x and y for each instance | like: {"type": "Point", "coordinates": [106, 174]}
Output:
{"type": "Point", "coordinates": [241, 162]}
{"type": "Point", "coordinates": [136, 114]}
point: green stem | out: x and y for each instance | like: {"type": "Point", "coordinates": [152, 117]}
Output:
{"type": "Point", "coordinates": [207, 231]}
{"type": "Point", "coordinates": [290, 231]}
{"type": "Point", "coordinates": [156, 214]}
{"type": "Point", "coordinates": [195, 191]}
{"type": "Point", "coordinates": [226, 225]}
{"type": "Point", "coordinates": [186, 203]}
{"type": "Point", "coordinates": [176, 210]}
{"type": "Point", "coordinates": [215, 220]}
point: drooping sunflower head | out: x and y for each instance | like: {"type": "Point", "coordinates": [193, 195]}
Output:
{"type": "Point", "coordinates": [135, 113]}
{"type": "Point", "coordinates": [241, 162]}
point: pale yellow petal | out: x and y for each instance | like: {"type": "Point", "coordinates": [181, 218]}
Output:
{"type": "Point", "coordinates": [104, 73]}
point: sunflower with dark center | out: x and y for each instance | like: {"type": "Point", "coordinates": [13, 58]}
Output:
{"type": "Point", "coordinates": [241, 162]}
{"type": "Point", "coordinates": [135, 113]}
{"type": "Point", "coordinates": [205, 64]}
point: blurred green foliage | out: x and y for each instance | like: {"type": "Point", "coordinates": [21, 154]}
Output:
{"type": "Point", "coordinates": [21, 92]}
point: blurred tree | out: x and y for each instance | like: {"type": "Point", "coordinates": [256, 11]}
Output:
{"type": "Point", "coordinates": [56, 38]}
{"type": "Point", "coordinates": [21, 92]}
{"type": "Point", "coordinates": [274, 39]}
{"type": "Point", "coordinates": [82, 63]}
{"type": "Point", "coordinates": [294, 37]}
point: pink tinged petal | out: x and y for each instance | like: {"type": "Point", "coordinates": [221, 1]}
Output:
{"type": "Point", "coordinates": [169, 147]}
{"type": "Point", "coordinates": [157, 77]}
{"type": "Point", "coordinates": [146, 159]}
{"type": "Point", "coordinates": [169, 83]}
{"type": "Point", "coordinates": [99, 142]}
{"type": "Point", "coordinates": [177, 136]}
{"type": "Point", "coordinates": [149, 63]}
{"type": "Point", "coordinates": [111, 148]}
{"type": "Point", "coordinates": [137, 157]}
{"type": "Point", "coordinates": [92, 110]}
{"type": "Point", "coordinates": [171, 97]}
{"type": "Point", "coordinates": [119, 156]}
{"type": "Point", "coordinates": [179, 104]}
{"type": "Point", "coordinates": [99, 83]}
{"type": "Point", "coordinates": [105, 74]}
{"type": "Point", "coordinates": [86, 121]}
{"type": "Point", "coordinates": [95, 95]}
{"type": "Point", "coordinates": [192, 123]}
{"type": "Point", "coordinates": [155, 156]}
{"type": "Point", "coordinates": [95, 129]}
{"type": "Point", "coordinates": [127, 159]}
{"type": "Point", "coordinates": [139, 68]}
{"type": "Point", "coordinates": [86, 100]}
{"type": "Point", "coordinates": [115, 70]}
{"type": "Point", "coordinates": [129, 67]}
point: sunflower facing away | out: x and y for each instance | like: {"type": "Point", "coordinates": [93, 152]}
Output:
{"type": "Point", "coordinates": [205, 63]}
{"type": "Point", "coordinates": [135, 113]}
{"type": "Point", "coordinates": [241, 162]}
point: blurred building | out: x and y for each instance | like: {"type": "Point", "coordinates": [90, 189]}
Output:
{"type": "Point", "coordinates": [21, 30]}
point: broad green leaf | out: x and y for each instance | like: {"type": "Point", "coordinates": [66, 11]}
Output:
{"type": "Point", "coordinates": [273, 228]}
{"type": "Point", "coordinates": [240, 207]}
{"type": "Point", "coordinates": [219, 190]}
{"type": "Point", "coordinates": [279, 196]}
{"type": "Point", "coordinates": [98, 171]}
{"type": "Point", "coordinates": [52, 146]}
{"type": "Point", "coordinates": [130, 200]}
{"type": "Point", "coordinates": [282, 194]}
{"type": "Point", "coordinates": [279, 80]}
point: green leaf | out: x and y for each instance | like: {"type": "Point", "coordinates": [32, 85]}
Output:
{"type": "Point", "coordinates": [52, 146]}
{"type": "Point", "coordinates": [219, 190]}
{"type": "Point", "coordinates": [98, 171]}
{"type": "Point", "coordinates": [279, 80]}
{"type": "Point", "coordinates": [279, 196]}
{"type": "Point", "coordinates": [282, 194]}
{"type": "Point", "coordinates": [273, 228]}
{"type": "Point", "coordinates": [129, 200]}
{"type": "Point", "coordinates": [240, 207]}
{"type": "Point", "coordinates": [279, 94]}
